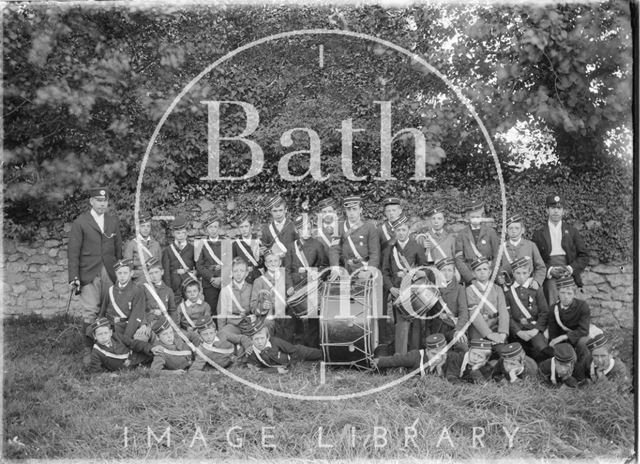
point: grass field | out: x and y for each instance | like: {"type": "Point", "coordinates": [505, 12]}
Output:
{"type": "Point", "coordinates": [52, 409]}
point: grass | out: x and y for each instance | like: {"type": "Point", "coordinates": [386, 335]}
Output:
{"type": "Point", "coordinates": [56, 410]}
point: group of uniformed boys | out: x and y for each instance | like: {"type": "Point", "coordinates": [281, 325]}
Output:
{"type": "Point", "coordinates": [468, 329]}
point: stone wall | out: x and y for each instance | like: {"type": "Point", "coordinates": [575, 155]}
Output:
{"type": "Point", "coordinates": [35, 281]}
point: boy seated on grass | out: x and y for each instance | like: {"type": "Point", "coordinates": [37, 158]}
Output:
{"type": "Point", "coordinates": [514, 364]}
{"type": "Point", "coordinates": [475, 366]}
{"type": "Point", "coordinates": [110, 353]}
{"type": "Point", "coordinates": [274, 354]}
{"type": "Point", "coordinates": [219, 350]}
{"type": "Point", "coordinates": [193, 306]}
{"type": "Point", "coordinates": [445, 365]}
{"type": "Point", "coordinates": [171, 353]}
{"type": "Point", "coordinates": [600, 364]}
{"type": "Point", "coordinates": [561, 369]}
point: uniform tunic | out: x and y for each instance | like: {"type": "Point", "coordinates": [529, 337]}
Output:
{"type": "Point", "coordinates": [616, 371]}
{"type": "Point", "coordinates": [231, 310]}
{"type": "Point", "coordinates": [438, 245]}
{"type": "Point", "coordinates": [546, 372]}
{"type": "Point", "coordinates": [119, 355]}
{"type": "Point", "coordinates": [487, 321]}
{"type": "Point", "coordinates": [219, 351]}
{"type": "Point", "coordinates": [175, 356]}
{"type": "Point", "coordinates": [393, 264]}
{"type": "Point", "coordinates": [386, 235]}
{"type": "Point", "coordinates": [249, 250]}
{"type": "Point", "coordinates": [286, 235]}
{"type": "Point", "coordinates": [171, 264]}
{"type": "Point", "coordinates": [130, 300]}
{"type": "Point", "coordinates": [455, 296]}
{"type": "Point", "coordinates": [487, 245]}
{"type": "Point", "coordinates": [534, 302]}
{"type": "Point", "coordinates": [278, 352]}
{"type": "Point", "coordinates": [153, 310]}
{"type": "Point", "coordinates": [188, 312]}
{"type": "Point", "coordinates": [417, 359]}
{"type": "Point", "coordinates": [210, 267]}
{"type": "Point", "coordinates": [313, 252]}
{"type": "Point", "coordinates": [131, 252]}
{"type": "Point", "coordinates": [521, 249]}
{"type": "Point", "coordinates": [277, 293]}
{"type": "Point", "coordinates": [577, 318]}
{"type": "Point", "coordinates": [366, 242]}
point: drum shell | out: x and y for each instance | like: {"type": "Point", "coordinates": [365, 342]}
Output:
{"type": "Point", "coordinates": [348, 340]}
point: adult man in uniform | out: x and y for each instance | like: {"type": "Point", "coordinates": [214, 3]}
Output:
{"type": "Point", "coordinates": [561, 248]}
{"type": "Point", "coordinates": [95, 244]}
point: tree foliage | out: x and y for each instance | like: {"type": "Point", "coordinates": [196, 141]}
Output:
{"type": "Point", "coordinates": [86, 86]}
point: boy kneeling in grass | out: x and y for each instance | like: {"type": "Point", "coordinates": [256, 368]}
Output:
{"type": "Point", "coordinates": [110, 353]}
{"type": "Point", "coordinates": [445, 365]}
{"type": "Point", "coordinates": [275, 355]}
{"type": "Point", "coordinates": [561, 369]}
{"type": "Point", "coordinates": [514, 364]}
{"type": "Point", "coordinates": [219, 350]}
{"type": "Point", "coordinates": [171, 353]}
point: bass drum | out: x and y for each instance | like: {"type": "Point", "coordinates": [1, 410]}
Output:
{"type": "Point", "coordinates": [348, 337]}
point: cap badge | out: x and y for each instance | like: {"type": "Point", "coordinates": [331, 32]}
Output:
{"type": "Point", "coordinates": [556, 198]}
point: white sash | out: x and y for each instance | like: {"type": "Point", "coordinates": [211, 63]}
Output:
{"type": "Point", "coordinates": [506, 253]}
{"type": "Point", "coordinates": [384, 231]}
{"type": "Point", "coordinates": [215, 349]}
{"type": "Point", "coordinates": [592, 369]}
{"type": "Point", "coordinates": [484, 302]}
{"type": "Point", "coordinates": [448, 311]}
{"type": "Point", "coordinates": [276, 238]}
{"type": "Point", "coordinates": [273, 289]}
{"type": "Point", "coordinates": [257, 353]}
{"type": "Point", "coordinates": [553, 371]}
{"type": "Point", "coordinates": [322, 236]}
{"type": "Point", "coordinates": [114, 304]}
{"type": "Point", "coordinates": [235, 301]}
{"type": "Point", "coordinates": [301, 256]}
{"type": "Point", "coordinates": [556, 313]}
{"type": "Point", "coordinates": [397, 259]}
{"type": "Point", "coordinates": [521, 307]}
{"type": "Point", "coordinates": [182, 263]}
{"type": "Point", "coordinates": [436, 246]}
{"type": "Point", "coordinates": [422, 373]}
{"type": "Point", "coordinates": [353, 249]}
{"type": "Point", "coordinates": [474, 248]}
{"type": "Point", "coordinates": [465, 362]}
{"type": "Point", "coordinates": [155, 296]}
{"type": "Point", "coordinates": [144, 248]}
{"type": "Point", "coordinates": [177, 352]}
{"type": "Point", "coordinates": [213, 255]}
{"type": "Point", "coordinates": [247, 253]}
{"type": "Point", "coordinates": [111, 355]}
{"type": "Point", "coordinates": [183, 309]}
